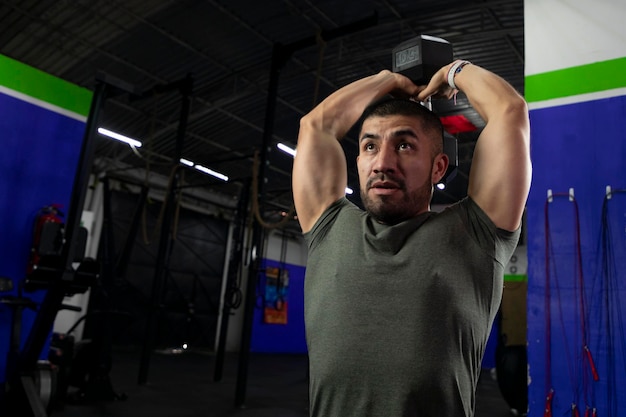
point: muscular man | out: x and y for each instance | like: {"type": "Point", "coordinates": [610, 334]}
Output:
{"type": "Point", "coordinates": [399, 301]}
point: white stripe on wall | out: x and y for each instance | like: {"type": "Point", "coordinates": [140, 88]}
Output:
{"type": "Point", "coordinates": [578, 99]}
{"type": "Point", "coordinates": [42, 104]}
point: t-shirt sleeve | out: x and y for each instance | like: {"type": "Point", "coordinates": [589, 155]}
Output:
{"type": "Point", "coordinates": [488, 235]}
{"type": "Point", "coordinates": [322, 225]}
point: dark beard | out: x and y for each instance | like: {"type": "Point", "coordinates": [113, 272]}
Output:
{"type": "Point", "coordinates": [387, 211]}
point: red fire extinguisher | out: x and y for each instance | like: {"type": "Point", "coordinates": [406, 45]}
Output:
{"type": "Point", "coordinates": [47, 234]}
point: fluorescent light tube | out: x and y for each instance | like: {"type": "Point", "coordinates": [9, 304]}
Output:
{"type": "Point", "coordinates": [286, 149]}
{"type": "Point", "coordinates": [211, 172]}
{"type": "Point", "coordinates": [121, 138]}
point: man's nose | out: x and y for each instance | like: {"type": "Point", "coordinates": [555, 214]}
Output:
{"type": "Point", "coordinates": [386, 160]}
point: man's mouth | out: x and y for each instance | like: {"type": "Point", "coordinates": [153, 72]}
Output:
{"type": "Point", "coordinates": [383, 186]}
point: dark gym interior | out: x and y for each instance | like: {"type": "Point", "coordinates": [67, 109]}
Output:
{"type": "Point", "coordinates": [166, 309]}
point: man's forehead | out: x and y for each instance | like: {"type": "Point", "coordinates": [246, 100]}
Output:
{"type": "Point", "coordinates": [377, 125]}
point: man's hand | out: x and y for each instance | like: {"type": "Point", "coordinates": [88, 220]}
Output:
{"type": "Point", "coordinates": [437, 87]}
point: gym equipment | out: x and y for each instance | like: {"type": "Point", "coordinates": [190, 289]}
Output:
{"type": "Point", "coordinates": [421, 57]}
{"type": "Point", "coordinates": [84, 365]}
{"type": "Point", "coordinates": [185, 88]}
{"type": "Point", "coordinates": [60, 355]}
{"type": "Point", "coordinates": [280, 55]}
{"type": "Point", "coordinates": [87, 364]}
{"type": "Point", "coordinates": [47, 251]}
{"type": "Point", "coordinates": [512, 372]}
{"type": "Point", "coordinates": [40, 382]}
{"type": "Point", "coordinates": [233, 295]}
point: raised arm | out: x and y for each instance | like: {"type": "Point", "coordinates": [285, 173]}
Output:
{"type": "Point", "coordinates": [501, 168]}
{"type": "Point", "coordinates": [320, 172]}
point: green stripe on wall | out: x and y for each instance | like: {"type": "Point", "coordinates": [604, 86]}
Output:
{"type": "Point", "coordinates": [515, 277]}
{"type": "Point", "coordinates": [45, 87]}
{"type": "Point", "coordinates": [590, 78]}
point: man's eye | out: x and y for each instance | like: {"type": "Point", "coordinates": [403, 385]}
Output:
{"type": "Point", "coordinates": [404, 146]}
{"type": "Point", "coordinates": [369, 147]}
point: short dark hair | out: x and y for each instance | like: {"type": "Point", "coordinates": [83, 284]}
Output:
{"type": "Point", "coordinates": [391, 106]}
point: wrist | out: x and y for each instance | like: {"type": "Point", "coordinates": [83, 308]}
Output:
{"type": "Point", "coordinates": [453, 70]}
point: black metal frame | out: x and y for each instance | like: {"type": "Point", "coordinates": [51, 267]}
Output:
{"type": "Point", "coordinates": [280, 55]}
{"type": "Point", "coordinates": [185, 87]}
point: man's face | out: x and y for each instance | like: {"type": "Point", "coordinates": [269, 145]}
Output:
{"type": "Point", "coordinates": [397, 168]}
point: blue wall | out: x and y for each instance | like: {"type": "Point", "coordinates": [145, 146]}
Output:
{"type": "Point", "coordinates": [580, 146]}
{"type": "Point", "coordinates": [39, 156]}
{"type": "Point", "coordinates": [281, 338]}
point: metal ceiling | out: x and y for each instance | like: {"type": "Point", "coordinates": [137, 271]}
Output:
{"type": "Point", "coordinates": [226, 47]}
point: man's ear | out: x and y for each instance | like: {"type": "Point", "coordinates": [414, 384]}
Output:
{"type": "Point", "coordinates": [440, 166]}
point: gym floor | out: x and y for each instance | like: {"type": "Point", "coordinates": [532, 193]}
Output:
{"type": "Point", "coordinates": [181, 385]}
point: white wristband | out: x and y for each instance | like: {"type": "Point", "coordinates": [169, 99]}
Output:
{"type": "Point", "coordinates": [456, 67]}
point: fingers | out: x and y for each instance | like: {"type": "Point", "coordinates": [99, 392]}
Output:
{"type": "Point", "coordinates": [437, 87]}
{"type": "Point", "coordinates": [425, 92]}
{"type": "Point", "coordinates": [443, 91]}
{"type": "Point", "coordinates": [435, 91]}
{"type": "Point", "coordinates": [405, 88]}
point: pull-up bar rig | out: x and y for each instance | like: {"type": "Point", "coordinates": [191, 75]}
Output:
{"type": "Point", "coordinates": [280, 56]}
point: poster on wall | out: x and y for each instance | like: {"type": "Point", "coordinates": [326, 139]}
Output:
{"type": "Point", "coordinates": [276, 290]}
{"type": "Point", "coordinates": [280, 331]}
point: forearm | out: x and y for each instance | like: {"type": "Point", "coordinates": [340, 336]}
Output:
{"type": "Point", "coordinates": [501, 166]}
{"type": "Point", "coordinates": [342, 109]}
{"type": "Point", "coordinates": [490, 95]}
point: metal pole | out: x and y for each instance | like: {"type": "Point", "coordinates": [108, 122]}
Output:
{"type": "Point", "coordinates": [165, 241]}
{"type": "Point", "coordinates": [233, 272]}
{"type": "Point", "coordinates": [56, 292]}
{"type": "Point", "coordinates": [280, 55]}
{"type": "Point", "coordinates": [122, 260]}
{"type": "Point", "coordinates": [258, 236]}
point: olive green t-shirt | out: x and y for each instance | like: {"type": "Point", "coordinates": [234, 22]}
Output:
{"type": "Point", "coordinates": [397, 317]}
